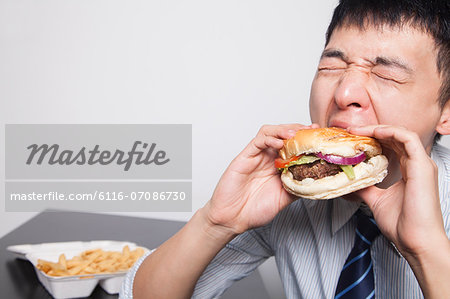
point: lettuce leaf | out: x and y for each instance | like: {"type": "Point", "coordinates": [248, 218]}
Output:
{"type": "Point", "coordinates": [348, 170]}
{"type": "Point", "coordinates": [303, 160]}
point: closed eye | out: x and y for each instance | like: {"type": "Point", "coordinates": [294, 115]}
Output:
{"type": "Point", "coordinates": [388, 78]}
{"type": "Point", "coordinates": [330, 68]}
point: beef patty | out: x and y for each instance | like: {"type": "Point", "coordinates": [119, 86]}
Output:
{"type": "Point", "coordinates": [316, 170]}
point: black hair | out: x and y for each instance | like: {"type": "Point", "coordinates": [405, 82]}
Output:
{"type": "Point", "coordinates": [429, 16]}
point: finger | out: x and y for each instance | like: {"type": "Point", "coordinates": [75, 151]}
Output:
{"type": "Point", "coordinates": [401, 140]}
{"type": "Point", "coordinates": [369, 196]}
{"type": "Point", "coordinates": [266, 142]}
{"type": "Point", "coordinates": [410, 140]}
{"type": "Point", "coordinates": [397, 147]}
{"type": "Point", "coordinates": [283, 131]}
{"type": "Point", "coordinates": [364, 130]}
{"type": "Point", "coordinates": [271, 137]}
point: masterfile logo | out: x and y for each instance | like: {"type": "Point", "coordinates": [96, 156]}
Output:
{"type": "Point", "coordinates": [54, 155]}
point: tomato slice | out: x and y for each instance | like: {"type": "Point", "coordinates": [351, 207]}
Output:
{"type": "Point", "coordinates": [281, 163]}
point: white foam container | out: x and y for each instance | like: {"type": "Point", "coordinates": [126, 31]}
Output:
{"type": "Point", "coordinates": [77, 285]}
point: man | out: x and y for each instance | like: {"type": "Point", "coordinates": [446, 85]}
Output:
{"type": "Point", "coordinates": [385, 73]}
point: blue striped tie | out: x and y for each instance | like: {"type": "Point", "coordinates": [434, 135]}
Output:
{"type": "Point", "coordinates": [356, 280]}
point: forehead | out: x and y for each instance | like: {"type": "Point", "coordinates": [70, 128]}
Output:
{"type": "Point", "coordinates": [406, 43]}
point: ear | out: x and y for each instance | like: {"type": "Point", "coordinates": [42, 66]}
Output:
{"type": "Point", "coordinates": [443, 126]}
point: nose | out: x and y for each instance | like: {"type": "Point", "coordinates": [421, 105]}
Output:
{"type": "Point", "coordinates": [351, 92]}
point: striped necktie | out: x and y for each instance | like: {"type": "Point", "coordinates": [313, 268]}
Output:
{"type": "Point", "coordinates": [356, 280]}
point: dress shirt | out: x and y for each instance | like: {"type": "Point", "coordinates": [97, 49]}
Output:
{"type": "Point", "coordinates": [311, 241]}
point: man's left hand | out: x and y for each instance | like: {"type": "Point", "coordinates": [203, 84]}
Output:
{"type": "Point", "coordinates": [408, 212]}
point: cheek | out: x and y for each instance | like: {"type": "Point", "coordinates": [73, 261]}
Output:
{"type": "Point", "coordinates": [392, 109]}
{"type": "Point", "coordinates": [398, 105]}
{"type": "Point", "coordinates": [413, 116]}
{"type": "Point", "coordinates": [319, 100]}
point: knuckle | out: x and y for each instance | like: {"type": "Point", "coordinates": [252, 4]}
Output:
{"type": "Point", "coordinates": [263, 128]}
{"type": "Point", "coordinates": [413, 134]}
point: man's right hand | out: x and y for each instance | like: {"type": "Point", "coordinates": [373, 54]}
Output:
{"type": "Point", "coordinates": [249, 193]}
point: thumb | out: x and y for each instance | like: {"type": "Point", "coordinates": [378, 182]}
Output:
{"type": "Point", "coordinates": [370, 196]}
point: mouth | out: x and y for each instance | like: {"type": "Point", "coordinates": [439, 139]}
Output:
{"type": "Point", "coordinates": [339, 124]}
{"type": "Point", "coordinates": [345, 123]}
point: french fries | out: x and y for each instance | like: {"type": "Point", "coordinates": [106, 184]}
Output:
{"type": "Point", "coordinates": [92, 261]}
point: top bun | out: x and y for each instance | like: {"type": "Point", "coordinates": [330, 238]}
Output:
{"type": "Point", "coordinates": [329, 141]}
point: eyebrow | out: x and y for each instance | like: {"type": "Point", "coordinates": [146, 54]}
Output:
{"type": "Point", "coordinates": [333, 53]}
{"type": "Point", "coordinates": [395, 62]}
{"type": "Point", "coordinates": [379, 60]}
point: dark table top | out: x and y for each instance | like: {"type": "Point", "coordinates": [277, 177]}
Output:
{"type": "Point", "coordinates": [18, 279]}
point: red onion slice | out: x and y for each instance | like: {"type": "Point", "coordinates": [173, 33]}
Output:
{"type": "Point", "coordinates": [343, 160]}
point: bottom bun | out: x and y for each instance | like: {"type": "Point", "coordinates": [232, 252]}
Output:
{"type": "Point", "coordinates": [367, 174]}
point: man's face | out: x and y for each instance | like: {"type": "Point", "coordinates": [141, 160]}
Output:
{"type": "Point", "coordinates": [376, 76]}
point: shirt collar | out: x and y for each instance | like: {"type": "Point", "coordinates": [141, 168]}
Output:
{"type": "Point", "coordinates": [341, 212]}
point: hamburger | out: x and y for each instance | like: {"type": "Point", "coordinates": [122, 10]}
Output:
{"type": "Point", "coordinates": [327, 163]}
